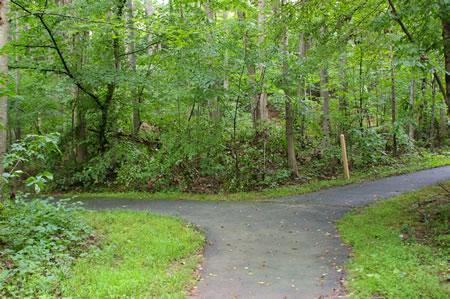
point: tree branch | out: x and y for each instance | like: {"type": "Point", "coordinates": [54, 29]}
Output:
{"type": "Point", "coordinates": [21, 67]}
{"type": "Point", "coordinates": [67, 72]}
{"type": "Point", "coordinates": [21, 6]}
{"type": "Point", "coordinates": [140, 50]}
{"type": "Point", "coordinates": [64, 63]}
{"type": "Point", "coordinates": [34, 46]}
{"type": "Point", "coordinates": [399, 21]}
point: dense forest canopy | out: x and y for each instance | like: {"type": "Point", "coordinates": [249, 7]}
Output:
{"type": "Point", "coordinates": [224, 95]}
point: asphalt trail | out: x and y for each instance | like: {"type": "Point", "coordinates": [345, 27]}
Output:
{"type": "Point", "coordinates": [280, 248]}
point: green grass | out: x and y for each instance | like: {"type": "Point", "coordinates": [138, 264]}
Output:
{"type": "Point", "coordinates": [410, 165]}
{"type": "Point", "coordinates": [142, 255]}
{"type": "Point", "coordinates": [400, 246]}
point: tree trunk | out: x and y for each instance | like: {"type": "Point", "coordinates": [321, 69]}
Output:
{"type": "Point", "coordinates": [17, 124]}
{"type": "Point", "coordinates": [111, 87]}
{"type": "Point", "coordinates": [79, 117]}
{"type": "Point", "coordinates": [394, 136]}
{"type": "Point", "coordinates": [290, 138]}
{"type": "Point", "coordinates": [325, 106]}
{"type": "Point", "coordinates": [80, 127]}
{"type": "Point", "coordinates": [225, 55]}
{"type": "Point", "coordinates": [213, 106]}
{"type": "Point", "coordinates": [292, 159]}
{"type": "Point", "coordinates": [4, 39]}
{"type": "Point", "coordinates": [131, 50]}
{"type": "Point", "coordinates": [411, 99]}
{"type": "Point", "coordinates": [301, 87]}
{"type": "Point", "coordinates": [149, 11]}
{"type": "Point", "coordinates": [250, 68]}
{"type": "Point", "coordinates": [261, 113]}
{"type": "Point", "coordinates": [342, 99]}
{"type": "Point", "coordinates": [443, 124]}
{"type": "Point", "coordinates": [433, 108]}
{"type": "Point", "coordinates": [446, 39]}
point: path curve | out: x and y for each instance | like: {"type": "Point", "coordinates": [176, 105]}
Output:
{"type": "Point", "coordinates": [280, 248]}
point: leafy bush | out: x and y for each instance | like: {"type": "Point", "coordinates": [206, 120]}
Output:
{"type": "Point", "coordinates": [38, 240]}
{"type": "Point", "coordinates": [369, 147]}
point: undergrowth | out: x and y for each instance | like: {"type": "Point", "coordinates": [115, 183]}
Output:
{"type": "Point", "coordinates": [39, 242]}
{"type": "Point", "coordinates": [307, 184]}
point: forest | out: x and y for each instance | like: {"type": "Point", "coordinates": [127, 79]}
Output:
{"type": "Point", "coordinates": [212, 96]}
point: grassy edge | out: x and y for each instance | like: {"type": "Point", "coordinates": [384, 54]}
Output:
{"type": "Point", "coordinates": [125, 236]}
{"type": "Point", "coordinates": [373, 173]}
{"type": "Point", "coordinates": [387, 260]}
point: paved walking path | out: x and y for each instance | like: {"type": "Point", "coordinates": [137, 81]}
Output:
{"type": "Point", "coordinates": [280, 248]}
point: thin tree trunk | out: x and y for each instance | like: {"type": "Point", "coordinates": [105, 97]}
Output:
{"type": "Point", "coordinates": [290, 138]}
{"type": "Point", "coordinates": [292, 159]}
{"type": "Point", "coordinates": [433, 107]}
{"type": "Point", "coordinates": [79, 113]}
{"type": "Point", "coordinates": [213, 106]}
{"type": "Point", "coordinates": [149, 11]}
{"type": "Point", "coordinates": [225, 55]}
{"type": "Point", "coordinates": [301, 85]}
{"type": "Point", "coordinates": [17, 124]}
{"type": "Point", "coordinates": [132, 49]}
{"type": "Point", "coordinates": [80, 127]}
{"type": "Point", "coordinates": [422, 122]}
{"type": "Point", "coordinates": [111, 88]}
{"type": "Point", "coordinates": [443, 124]}
{"type": "Point", "coordinates": [446, 39]}
{"type": "Point", "coordinates": [325, 106]}
{"type": "Point", "coordinates": [394, 136]}
{"type": "Point", "coordinates": [4, 59]}
{"type": "Point", "coordinates": [250, 68]}
{"type": "Point", "coordinates": [360, 113]}
{"type": "Point", "coordinates": [411, 101]}
{"type": "Point", "coordinates": [261, 113]}
{"type": "Point", "coordinates": [342, 100]}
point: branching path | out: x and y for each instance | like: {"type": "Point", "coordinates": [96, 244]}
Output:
{"type": "Point", "coordinates": [286, 247]}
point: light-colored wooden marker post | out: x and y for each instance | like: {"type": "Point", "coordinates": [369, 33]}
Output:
{"type": "Point", "coordinates": [344, 156]}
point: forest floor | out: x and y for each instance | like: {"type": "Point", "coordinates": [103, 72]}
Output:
{"type": "Point", "coordinates": [285, 247]}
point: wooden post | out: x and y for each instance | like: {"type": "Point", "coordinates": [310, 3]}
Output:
{"type": "Point", "coordinates": [344, 156]}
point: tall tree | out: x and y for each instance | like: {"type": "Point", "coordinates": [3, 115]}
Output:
{"type": "Point", "coordinates": [261, 113]}
{"type": "Point", "coordinates": [393, 103]}
{"type": "Point", "coordinates": [445, 19]}
{"type": "Point", "coordinates": [4, 59]}
{"type": "Point", "coordinates": [290, 137]}
{"type": "Point", "coordinates": [411, 102]}
{"type": "Point", "coordinates": [132, 57]}
{"type": "Point", "coordinates": [324, 94]}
